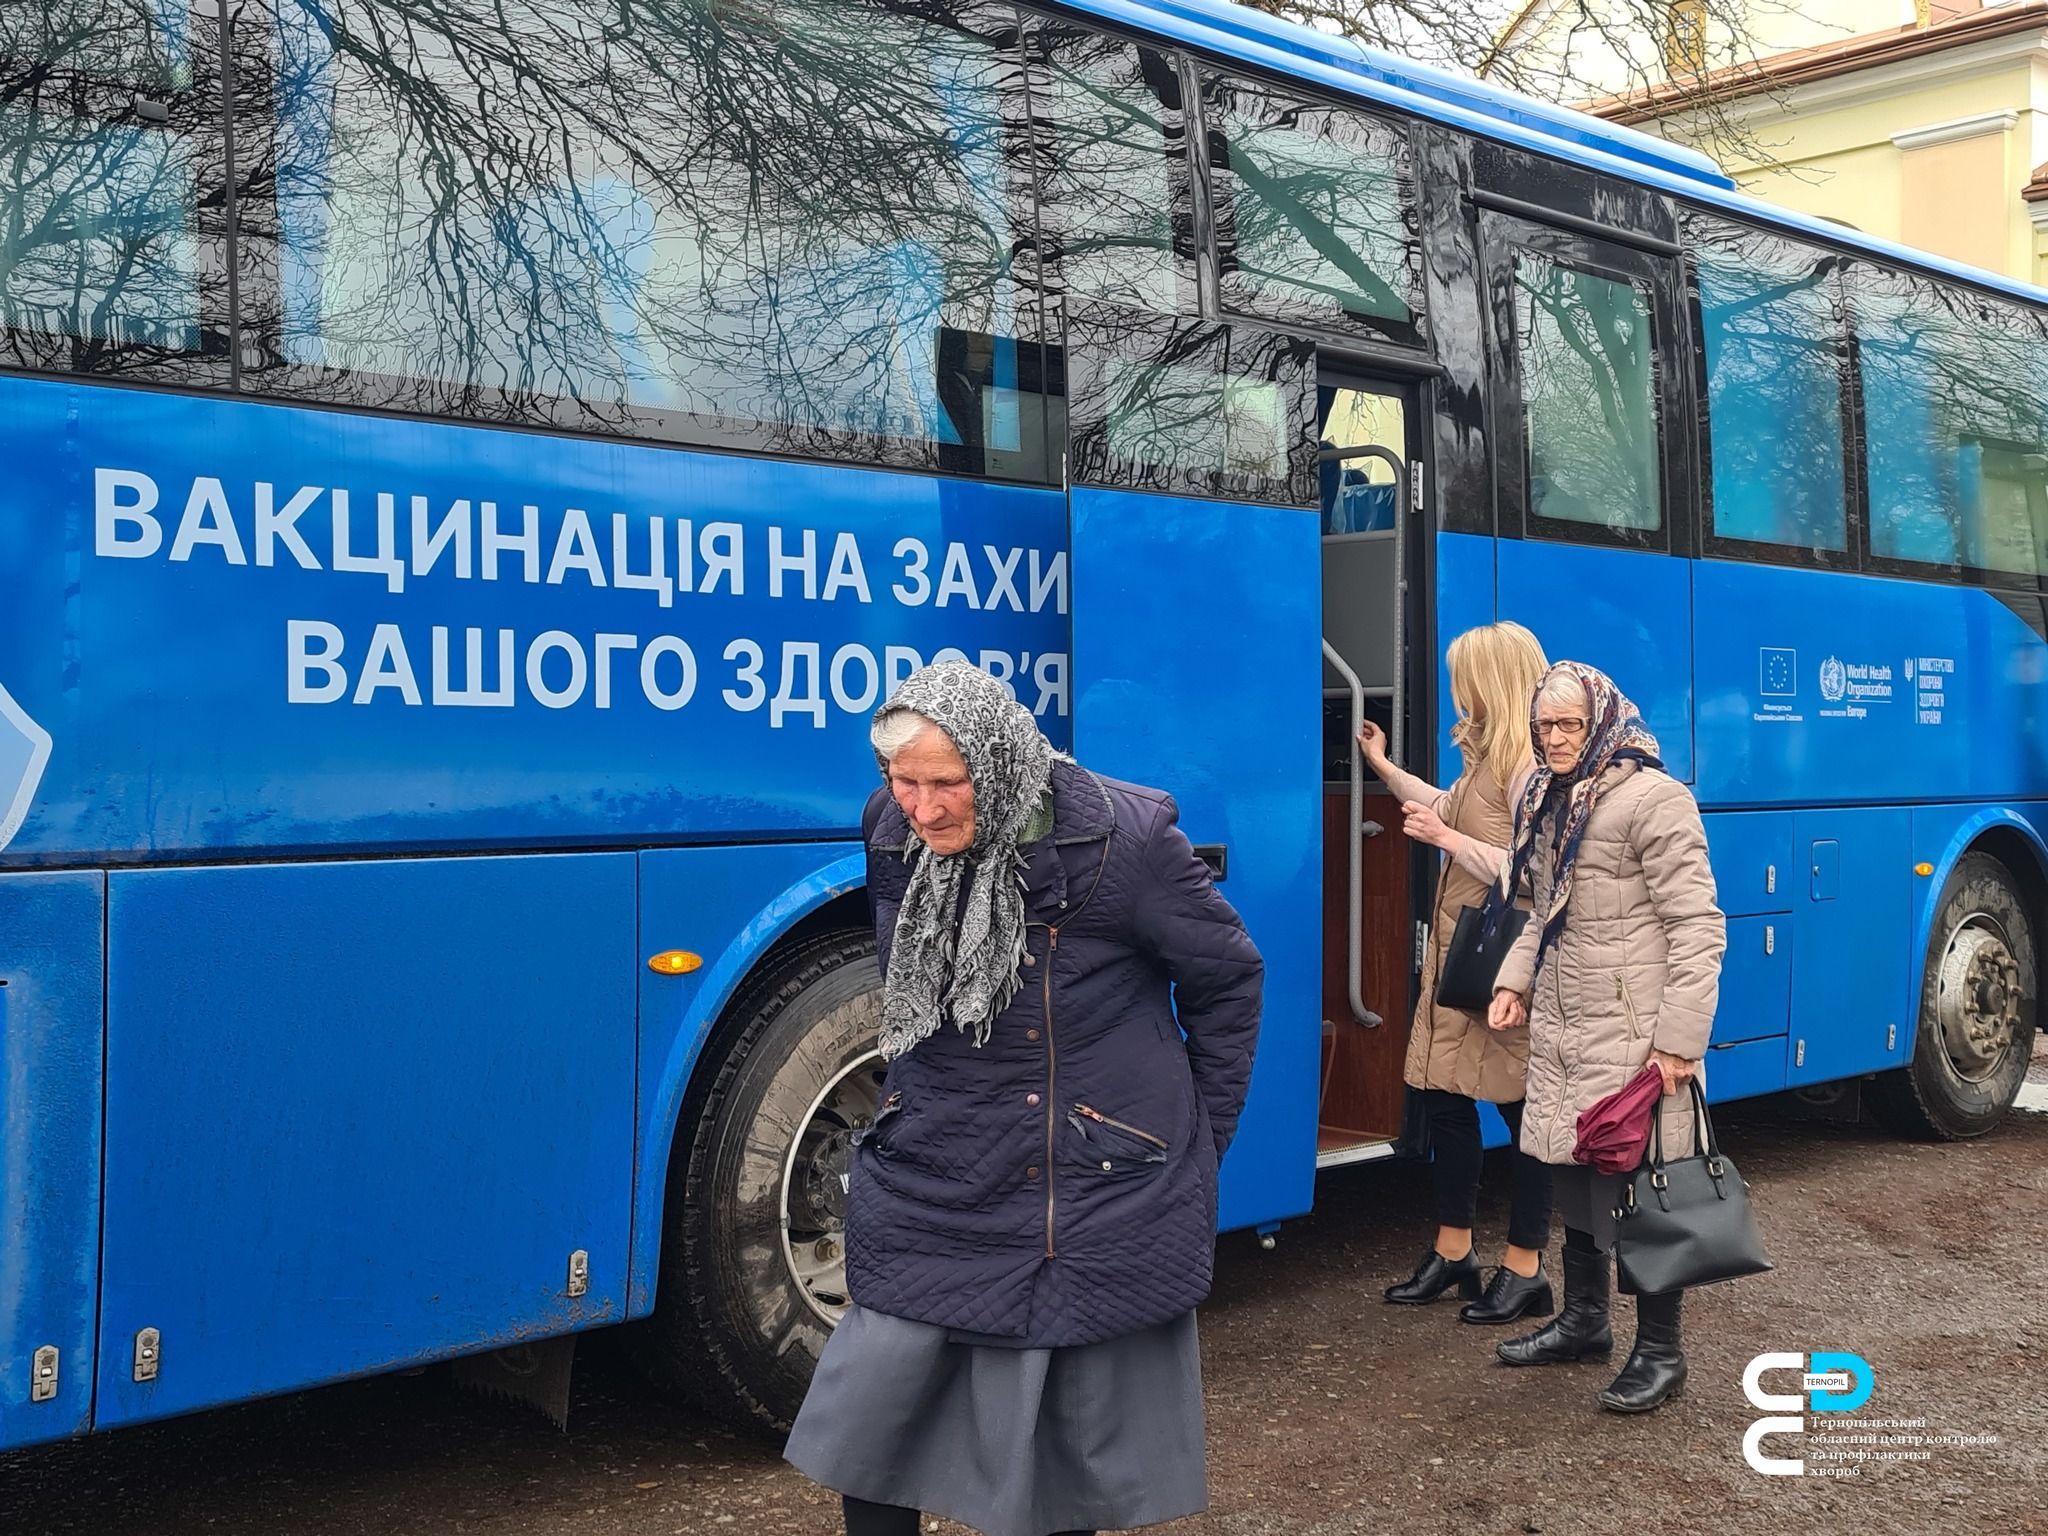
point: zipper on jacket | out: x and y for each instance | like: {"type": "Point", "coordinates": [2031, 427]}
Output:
{"type": "Point", "coordinates": [1052, 943]}
{"type": "Point", "coordinates": [1099, 1116]}
{"type": "Point", "coordinates": [1628, 1003]}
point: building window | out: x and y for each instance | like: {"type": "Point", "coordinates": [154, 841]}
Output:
{"type": "Point", "coordinates": [1685, 38]}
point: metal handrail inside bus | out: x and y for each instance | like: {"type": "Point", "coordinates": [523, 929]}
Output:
{"type": "Point", "coordinates": [1356, 829]}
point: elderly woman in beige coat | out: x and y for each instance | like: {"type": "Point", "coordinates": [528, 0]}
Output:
{"type": "Point", "coordinates": [1620, 964]}
{"type": "Point", "coordinates": [1454, 1061]}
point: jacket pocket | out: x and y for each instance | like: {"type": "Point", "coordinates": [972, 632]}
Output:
{"type": "Point", "coordinates": [871, 1135]}
{"type": "Point", "coordinates": [1628, 1006]}
{"type": "Point", "coordinates": [1115, 1146]}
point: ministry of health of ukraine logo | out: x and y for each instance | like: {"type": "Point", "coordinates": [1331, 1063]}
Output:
{"type": "Point", "coordinates": [1834, 680]}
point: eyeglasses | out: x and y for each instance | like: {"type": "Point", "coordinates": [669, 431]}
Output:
{"type": "Point", "coordinates": [1571, 725]}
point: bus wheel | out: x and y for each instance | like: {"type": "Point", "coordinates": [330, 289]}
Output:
{"type": "Point", "coordinates": [1976, 1031]}
{"type": "Point", "coordinates": [753, 1250]}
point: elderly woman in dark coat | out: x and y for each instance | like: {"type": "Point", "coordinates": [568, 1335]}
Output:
{"type": "Point", "coordinates": [1069, 1012]}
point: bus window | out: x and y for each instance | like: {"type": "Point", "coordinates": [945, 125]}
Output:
{"type": "Point", "coordinates": [1315, 212]}
{"type": "Point", "coordinates": [110, 129]}
{"type": "Point", "coordinates": [780, 227]}
{"type": "Point", "coordinates": [1190, 407]}
{"type": "Point", "coordinates": [1358, 493]}
{"type": "Point", "coordinates": [1956, 430]}
{"type": "Point", "coordinates": [1114, 200]}
{"type": "Point", "coordinates": [1589, 395]}
{"type": "Point", "coordinates": [1772, 339]}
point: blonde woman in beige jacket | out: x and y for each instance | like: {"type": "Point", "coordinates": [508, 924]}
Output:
{"type": "Point", "coordinates": [1454, 1061]}
{"type": "Point", "coordinates": [1619, 965]}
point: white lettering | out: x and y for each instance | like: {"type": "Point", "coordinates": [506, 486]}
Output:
{"type": "Point", "coordinates": [536, 669]}
{"type": "Point", "coordinates": [750, 674]}
{"type": "Point", "coordinates": [273, 524]}
{"type": "Point", "coordinates": [1050, 673]}
{"type": "Point", "coordinates": [454, 529]}
{"type": "Point", "coordinates": [1005, 579]}
{"type": "Point", "coordinates": [650, 684]}
{"type": "Point", "coordinates": [727, 561]}
{"type": "Point", "coordinates": [806, 561]}
{"type": "Point", "coordinates": [916, 570]}
{"type": "Point", "coordinates": [109, 513]}
{"type": "Point", "coordinates": [794, 700]}
{"type": "Point", "coordinates": [476, 695]}
{"type": "Point", "coordinates": [847, 570]}
{"type": "Point", "coordinates": [207, 520]}
{"type": "Point", "coordinates": [957, 578]}
{"type": "Point", "coordinates": [576, 550]}
{"type": "Point", "coordinates": [602, 670]}
{"type": "Point", "coordinates": [850, 655]}
{"type": "Point", "coordinates": [527, 541]}
{"type": "Point", "coordinates": [385, 562]}
{"type": "Point", "coordinates": [1052, 582]}
{"type": "Point", "coordinates": [657, 579]}
{"type": "Point", "coordinates": [387, 666]}
{"type": "Point", "coordinates": [898, 662]}
{"type": "Point", "coordinates": [301, 660]}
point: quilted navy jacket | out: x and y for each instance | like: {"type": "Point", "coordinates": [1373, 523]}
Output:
{"type": "Point", "coordinates": [1057, 1186]}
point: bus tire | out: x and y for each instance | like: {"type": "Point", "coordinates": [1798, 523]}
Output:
{"type": "Point", "coordinates": [736, 1330]}
{"type": "Point", "coordinates": [1977, 1001]}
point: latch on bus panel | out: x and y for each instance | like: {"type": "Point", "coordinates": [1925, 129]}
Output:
{"type": "Point", "coordinates": [42, 1381]}
{"type": "Point", "coordinates": [148, 1354]}
{"type": "Point", "coordinates": [579, 1272]}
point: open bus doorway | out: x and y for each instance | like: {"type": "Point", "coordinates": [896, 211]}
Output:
{"type": "Point", "coordinates": [1367, 429]}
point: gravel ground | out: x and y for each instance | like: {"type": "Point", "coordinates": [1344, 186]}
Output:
{"type": "Point", "coordinates": [1329, 1412]}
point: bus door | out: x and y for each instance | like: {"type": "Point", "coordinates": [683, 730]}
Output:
{"type": "Point", "coordinates": [1369, 486]}
{"type": "Point", "coordinates": [1197, 639]}
{"type": "Point", "coordinates": [1593, 456]}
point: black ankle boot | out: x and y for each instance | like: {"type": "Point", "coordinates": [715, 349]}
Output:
{"type": "Point", "coordinates": [1435, 1275]}
{"type": "Point", "coordinates": [1509, 1296]}
{"type": "Point", "coordinates": [1655, 1372]}
{"type": "Point", "coordinates": [1580, 1331]}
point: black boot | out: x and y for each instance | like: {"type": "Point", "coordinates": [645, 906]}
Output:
{"type": "Point", "coordinates": [1655, 1371]}
{"type": "Point", "coordinates": [1580, 1331]}
{"type": "Point", "coordinates": [1435, 1275]}
{"type": "Point", "coordinates": [1509, 1296]}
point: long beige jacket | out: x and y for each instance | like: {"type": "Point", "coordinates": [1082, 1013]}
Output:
{"type": "Point", "coordinates": [1447, 1047]}
{"type": "Point", "coordinates": [1637, 966]}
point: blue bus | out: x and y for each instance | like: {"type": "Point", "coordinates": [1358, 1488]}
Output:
{"type": "Point", "coordinates": [473, 470]}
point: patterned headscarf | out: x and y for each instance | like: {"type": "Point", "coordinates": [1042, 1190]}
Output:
{"type": "Point", "coordinates": [1615, 733]}
{"type": "Point", "coordinates": [966, 968]}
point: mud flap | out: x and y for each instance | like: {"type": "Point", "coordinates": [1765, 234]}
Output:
{"type": "Point", "coordinates": [534, 1374]}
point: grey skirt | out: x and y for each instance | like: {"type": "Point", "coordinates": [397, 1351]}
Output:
{"type": "Point", "coordinates": [1585, 1200]}
{"type": "Point", "coordinates": [1012, 1442]}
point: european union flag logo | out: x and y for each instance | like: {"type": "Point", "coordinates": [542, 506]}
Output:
{"type": "Point", "coordinates": [24, 749]}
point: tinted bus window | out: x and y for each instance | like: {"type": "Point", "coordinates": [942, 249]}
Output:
{"type": "Point", "coordinates": [786, 226]}
{"type": "Point", "coordinates": [1115, 205]}
{"type": "Point", "coordinates": [110, 245]}
{"type": "Point", "coordinates": [1771, 330]}
{"type": "Point", "coordinates": [1589, 395]}
{"type": "Point", "coordinates": [1315, 212]}
{"type": "Point", "coordinates": [1956, 424]}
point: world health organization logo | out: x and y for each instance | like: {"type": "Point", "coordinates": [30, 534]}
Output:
{"type": "Point", "coordinates": [1834, 680]}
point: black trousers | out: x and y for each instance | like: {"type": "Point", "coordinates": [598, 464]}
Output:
{"type": "Point", "coordinates": [1454, 1133]}
{"type": "Point", "coordinates": [865, 1519]}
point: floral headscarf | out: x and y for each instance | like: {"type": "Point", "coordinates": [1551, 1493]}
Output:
{"type": "Point", "coordinates": [966, 969]}
{"type": "Point", "coordinates": [1615, 733]}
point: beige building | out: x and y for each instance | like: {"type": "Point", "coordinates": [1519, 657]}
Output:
{"type": "Point", "coordinates": [1923, 121]}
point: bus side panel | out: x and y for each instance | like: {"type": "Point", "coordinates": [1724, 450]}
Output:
{"type": "Point", "coordinates": [1197, 669]}
{"type": "Point", "coordinates": [1822, 688]}
{"type": "Point", "coordinates": [50, 1050]}
{"type": "Point", "coordinates": [727, 905]}
{"type": "Point", "coordinates": [360, 1115]}
{"type": "Point", "coordinates": [1626, 612]}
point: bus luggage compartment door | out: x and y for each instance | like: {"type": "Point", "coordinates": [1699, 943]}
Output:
{"type": "Point", "coordinates": [51, 986]}
{"type": "Point", "coordinates": [360, 1116]}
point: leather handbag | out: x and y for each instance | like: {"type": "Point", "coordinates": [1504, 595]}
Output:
{"type": "Point", "coordinates": [1472, 960]}
{"type": "Point", "coordinates": [1686, 1221]}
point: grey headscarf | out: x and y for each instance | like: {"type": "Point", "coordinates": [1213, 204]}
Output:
{"type": "Point", "coordinates": [970, 971]}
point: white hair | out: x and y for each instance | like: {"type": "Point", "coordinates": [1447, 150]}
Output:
{"type": "Point", "coordinates": [1565, 691]}
{"type": "Point", "coordinates": [897, 729]}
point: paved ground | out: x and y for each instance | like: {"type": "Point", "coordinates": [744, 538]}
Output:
{"type": "Point", "coordinates": [1328, 1411]}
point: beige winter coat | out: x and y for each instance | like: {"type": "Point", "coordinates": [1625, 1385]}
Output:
{"type": "Point", "coordinates": [1637, 966]}
{"type": "Point", "coordinates": [1447, 1047]}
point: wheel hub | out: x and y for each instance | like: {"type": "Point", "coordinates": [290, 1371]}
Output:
{"type": "Point", "coordinates": [1978, 998]}
{"type": "Point", "coordinates": [814, 1185]}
